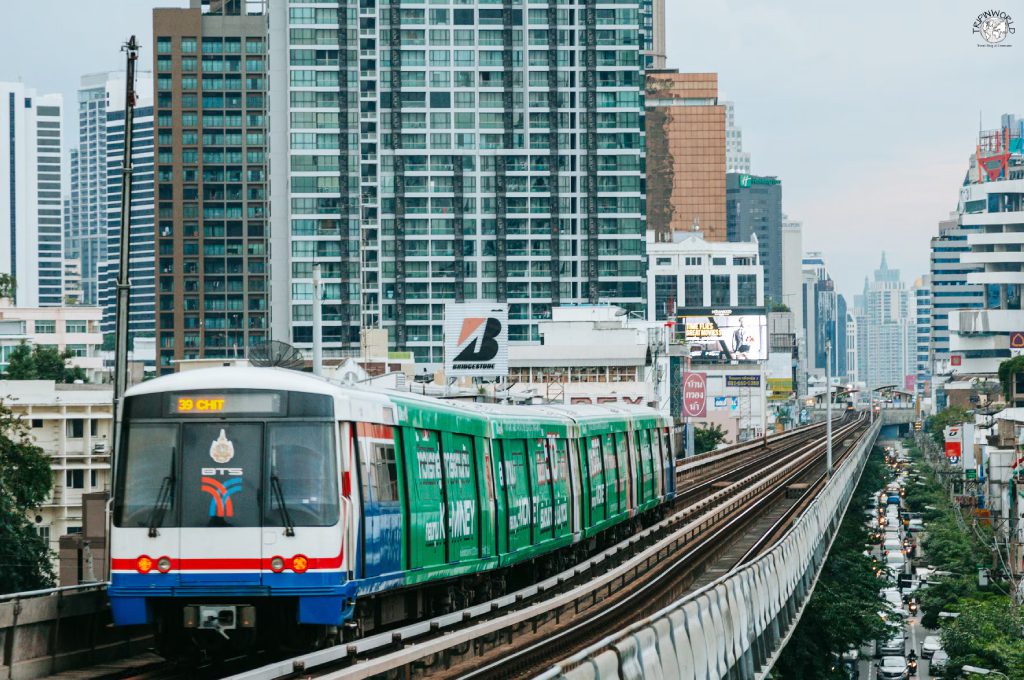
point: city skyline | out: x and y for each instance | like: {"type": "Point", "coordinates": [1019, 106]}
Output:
{"type": "Point", "coordinates": [784, 118]}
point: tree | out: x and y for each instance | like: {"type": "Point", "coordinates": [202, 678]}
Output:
{"type": "Point", "coordinates": [707, 438]}
{"type": "Point", "coordinates": [987, 633]}
{"type": "Point", "coordinates": [25, 481]}
{"type": "Point", "coordinates": [42, 363]}
{"type": "Point", "coordinates": [1007, 371]}
{"type": "Point", "coordinates": [8, 286]}
{"type": "Point", "coordinates": [21, 364]}
{"type": "Point", "coordinates": [953, 415]}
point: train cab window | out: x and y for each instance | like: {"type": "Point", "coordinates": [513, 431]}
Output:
{"type": "Point", "coordinates": [300, 478]}
{"type": "Point", "coordinates": [382, 473]}
{"type": "Point", "coordinates": [146, 495]}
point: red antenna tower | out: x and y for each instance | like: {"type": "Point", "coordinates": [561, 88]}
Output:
{"type": "Point", "coordinates": [996, 163]}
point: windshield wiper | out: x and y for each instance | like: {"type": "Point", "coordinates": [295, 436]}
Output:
{"type": "Point", "coordinates": [163, 497]}
{"type": "Point", "coordinates": [275, 487]}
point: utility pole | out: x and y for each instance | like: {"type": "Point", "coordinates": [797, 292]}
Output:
{"type": "Point", "coordinates": [131, 50]}
{"type": "Point", "coordinates": [318, 325]}
{"type": "Point", "coordinates": [828, 408]}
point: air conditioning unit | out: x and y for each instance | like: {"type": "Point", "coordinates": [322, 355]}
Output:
{"type": "Point", "coordinates": [99, 447]}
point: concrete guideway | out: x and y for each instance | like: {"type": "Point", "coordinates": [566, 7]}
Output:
{"type": "Point", "coordinates": [738, 625]}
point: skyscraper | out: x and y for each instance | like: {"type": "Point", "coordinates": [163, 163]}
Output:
{"type": "Point", "coordinates": [885, 331]}
{"type": "Point", "coordinates": [142, 263]}
{"type": "Point", "coordinates": [754, 206]}
{"type": "Point", "coordinates": [454, 151]}
{"type": "Point", "coordinates": [85, 231]}
{"type": "Point", "coordinates": [685, 154]}
{"type": "Point", "coordinates": [950, 289]}
{"type": "Point", "coordinates": [31, 198]}
{"type": "Point", "coordinates": [736, 159]}
{"type": "Point", "coordinates": [921, 349]}
{"type": "Point", "coordinates": [211, 166]}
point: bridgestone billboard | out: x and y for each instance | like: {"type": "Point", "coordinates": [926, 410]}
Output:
{"type": "Point", "coordinates": [475, 340]}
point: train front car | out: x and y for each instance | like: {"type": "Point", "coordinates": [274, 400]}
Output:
{"type": "Point", "coordinates": [228, 515]}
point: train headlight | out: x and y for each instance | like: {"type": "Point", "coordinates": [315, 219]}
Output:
{"type": "Point", "coordinates": [163, 564]}
{"type": "Point", "coordinates": [144, 564]}
{"type": "Point", "coordinates": [300, 563]}
{"type": "Point", "coordinates": [277, 564]}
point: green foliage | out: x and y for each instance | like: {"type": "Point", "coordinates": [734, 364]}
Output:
{"type": "Point", "coordinates": [8, 286]}
{"type": "Point", "coordinates": [940, 421]}
{"type": "Point", "coordinates": [988, 634]}
{"type": "Point", "coordinates": [41, 363]}
{"type": "Point", "coordinates": [1007, 370]}
{"type": "Point", "coordinates": [707, 438]}
{"type": "Point", "coordinates": [25, 480]}
{"type": "Point", "coordinates": [844, 611]}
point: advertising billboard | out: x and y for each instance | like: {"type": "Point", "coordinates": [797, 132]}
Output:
{"type": "Point", "coordinates": [475, 339]}
{"type": "Point", "coordinates": [695, 392]}
{"type": "Point", "coordinates": [725, 337]}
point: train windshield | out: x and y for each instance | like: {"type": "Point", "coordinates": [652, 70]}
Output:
{"type": "Point", "coordinates": [228, 474]}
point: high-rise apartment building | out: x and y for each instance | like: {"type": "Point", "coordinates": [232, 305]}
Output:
{"type": "Point", "coordinates": [921, 300]}
{"type": "Point", "coordinates": [991, 210]}
{"type": "Point", "coordinates": [452, 151]}
{"type": "Point", "coordinates": [950, 289]}
{"type": "Point", "coordinates": [210, 128]}
{"type": "Point", "coordinates": [885, 331]}
{"type": "Point", "coordinates": [736, 159]}
{"type": "Point", "coordinates": [99, 96]}
{"type": "Point", "coordinates": [685, 154]}
{"type": "Point", "coordinates": [141, 262]}
{"type": "Point", "coordinates": [31, 194]}
{"type": "Point", "coordinates": [754, 206]}
{"type": "Point", "coordinates": [653, 12]}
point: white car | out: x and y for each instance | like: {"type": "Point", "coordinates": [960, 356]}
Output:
{"type": "Point", "coordinates": [893, 668]}
{"type": "Point", "coordinates": [932, 644]}
{"type": "Point", "coordinates": [894, 645]}
{"type": "Point", "coordinates": [939, 661]}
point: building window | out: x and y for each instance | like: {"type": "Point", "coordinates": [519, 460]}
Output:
{"type": "Point", "coordinates": [78, 350]}
{"type": "Point", "coordinates": [664, 261]}
{"type": "Point", "coordinates": [37, 422]}
{"type": "Point", "coordinates": [44, 533]}
{"type": "Point", "coordinates": [718, 261]}
{"type": "Point", "coordinates": [665, 297]}
{"type": "Point", "coordinates": [694, 290]}
{"type": "Point", "coordinates": [45, 327]}
{"type": "Point", "coordinates": [74, 479]}
{"type": "Point", "coordinates": [720, 290]}
{"type": "Point", "coordinates": [746, 290]}
{"type": "Point", "coordinates": [692, 261]}
{"type": "Point", "coordinates": [76, 326]}
{"type": "Point", "coordinates": [92, 479]}
{"type": "Point", "coordinates": [74, 428]}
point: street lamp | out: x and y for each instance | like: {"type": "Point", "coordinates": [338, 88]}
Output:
{"type": "Point", "coordinates": [984, 671]}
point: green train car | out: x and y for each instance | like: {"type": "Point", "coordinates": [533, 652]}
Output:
{"type": "Point", "coordinates": [278, 498]}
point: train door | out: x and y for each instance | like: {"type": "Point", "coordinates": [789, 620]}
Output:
{"type": "Point", "coordinates": [596, 481]}
{"type": "Point", "coordinates": [515, 484]}
{"type": "Point", "coordinates": [424, 506]}
{"type": "Point", "coordinates": [612, 476]}
{"type": "Point", "coordinates": [220, 480]}
{"type": "Point", "coordinates": [561, 485]}
{"type": "Point", "coordinates": [381, 531]}
{"type": "Point", "coordinates": [543, 500]}
{"type": "Point", "coordinates": [627, 458]}
{"type": "Point", "coordinates": [576, 500]}
{"type": "Point", "coordinates": [651, 465]}
{"type": "Point", "coordinates": [463, 505]}
{"type": "Point", "coordinates": [488, 498]}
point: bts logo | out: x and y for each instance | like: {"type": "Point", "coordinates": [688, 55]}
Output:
{"type": "Point", "coordinates": [220, 503]}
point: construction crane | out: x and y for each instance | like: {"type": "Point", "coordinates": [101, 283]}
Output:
{"type": "Point", "coordinates": [131, 50]}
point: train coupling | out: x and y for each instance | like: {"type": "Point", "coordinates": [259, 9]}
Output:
{"type": "Point", "coordinates": [219, 618]}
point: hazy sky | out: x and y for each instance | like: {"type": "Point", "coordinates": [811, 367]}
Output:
{"type": "Point", "coordinates": [867, 110]}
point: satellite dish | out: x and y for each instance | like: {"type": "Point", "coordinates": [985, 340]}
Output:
{"type": "Point", "coordinates": [277, 354]}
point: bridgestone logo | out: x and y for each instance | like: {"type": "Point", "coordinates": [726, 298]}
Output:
{"type": "Point", "coordinates": [472, 367]}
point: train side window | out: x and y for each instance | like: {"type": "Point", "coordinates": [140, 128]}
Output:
{"type": "Point", "coordinates": [385, 472]}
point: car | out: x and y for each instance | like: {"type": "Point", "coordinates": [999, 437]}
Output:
{"type": "Point", "coordinates": [931, 644]}
{"type": "Point", "coordinates": [893, 668]}
{"type": "Point", "coordinates": [893, 597]}
{"type": "Point", "coordinates": [892, 543]}
{"type": "Point", "coordinates": [896, 560]}
{"type": "Point", "coordinates": [894, 645]}
{"type": "Point", "coordinates": [938, 662]}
